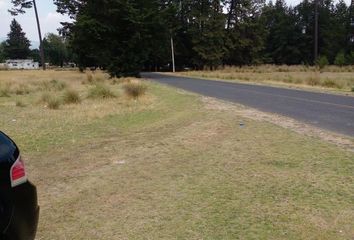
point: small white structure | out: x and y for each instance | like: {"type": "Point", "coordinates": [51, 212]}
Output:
{"type": "Point", "coordinates": [21, 64]}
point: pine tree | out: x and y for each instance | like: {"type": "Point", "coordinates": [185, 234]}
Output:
{"type": "Point", "coordinates": [16, 45]}
{"type": "Point", "coordinates": [207, 30]}
{"type": "Point", "coordinates": [2, 52]}
{"type": "Point", "coordinates": [245, 32]}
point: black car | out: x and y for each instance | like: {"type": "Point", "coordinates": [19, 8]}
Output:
{"type": "Point", "coordinates": [19, 209]}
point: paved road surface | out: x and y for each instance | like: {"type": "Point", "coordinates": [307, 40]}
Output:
{"type": "Point", "coordinates": [331, 112]}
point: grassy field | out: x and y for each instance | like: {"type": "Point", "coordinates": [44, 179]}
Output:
{"type": "Point", "coordinates": [165, 166]}
{"type": "Point", "coordinates": [331, 77]}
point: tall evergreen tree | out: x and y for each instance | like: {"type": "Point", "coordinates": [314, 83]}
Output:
{"type": "Point", "coordinates": [16, 45]}
{"type": "Point", "coordinates": [2, 52]}
{"type": "Point", "coordinates": [245, 32]}
{"type": "Point", "coordinates": [305, 13]}
{"type": "Point", "coordinates": [114, 34]}
{"type": "Point", "coordinates": [284, 34]}
{"type": "Point", "coordinates": [207, 31]}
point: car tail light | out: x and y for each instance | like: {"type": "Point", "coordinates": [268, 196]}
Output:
{"type": "Point", "coordinates": [18, 173]}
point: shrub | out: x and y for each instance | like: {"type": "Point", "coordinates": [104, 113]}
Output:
{"type": "Point", "coordinates": [100, 91]}
{"type": "Point", "coordinates": [135, 89]}
{"type": "Point", "coordinates": [322, 62]}
{"type": "Point", "coordinates": [71, 97]}
{"type": "Point", "coordinates": [353, 89]}
{"type": "Point", "coordinates": [340, 59]}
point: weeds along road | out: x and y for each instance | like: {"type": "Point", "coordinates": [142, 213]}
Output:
{"type": "Point", "coordinates": [327, 111]}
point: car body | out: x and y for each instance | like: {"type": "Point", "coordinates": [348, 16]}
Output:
{"type": "Point", "coordinates": [19, 210]}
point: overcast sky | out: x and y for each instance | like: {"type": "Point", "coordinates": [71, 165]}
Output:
{"type": "Point", "coordinates": [49, 18]}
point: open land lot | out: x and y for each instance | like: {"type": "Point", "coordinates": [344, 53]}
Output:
{"type": "Point", "coordinates": [331, 78]}
{"type": "Point", "coordinates": [167, 165]}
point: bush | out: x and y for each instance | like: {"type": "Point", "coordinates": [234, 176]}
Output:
{"type": "Point", "coordinates": [71, 97]}
{"type": "Point", "coordinates": [322, 62]}
{"type": "Point", "coordinates": [340, 59]}
{"type": "Point", "coordinates": [353, 89]}
{"type": "Point", "coordinates": [134, 89]}
{"type": "Point", "coordinates": [101, 91]}
{"type": "Point", "coordinates": [350, 58]}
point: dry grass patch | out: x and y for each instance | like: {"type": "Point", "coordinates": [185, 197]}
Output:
{"type": "Point", "coordinates": [334, 78]}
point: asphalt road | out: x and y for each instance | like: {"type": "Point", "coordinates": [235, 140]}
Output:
{"type": "Point", "coordinates": [327, 111]}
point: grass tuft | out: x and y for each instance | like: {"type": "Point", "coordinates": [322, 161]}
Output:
{"type": "Point", "coordinates": [71, 97]}
{"type": "Point", "coordinates": [53, 103]}
{"type": "Point", "coordinates": [330, 83]}
{"type": "Point", "coordinates": [100, 91]}
{"type": "Point", "coordinates": [135, 89]}
{"type": "Point", "coordinates": [19, 103]}
{"type": "Point", "coordinates": [22, 89]}
{"type": "Point", "coordinates": [45, 97]}
{"type": "Point", "coordinates": [52, 85]}
{"type": "Point", "coordinates": [4, 92]}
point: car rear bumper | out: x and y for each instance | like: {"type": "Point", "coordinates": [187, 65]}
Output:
{"type": "Point", "coordinates": [25, 213]}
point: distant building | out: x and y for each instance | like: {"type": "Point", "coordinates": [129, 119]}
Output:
{"type": "Point", "coordinates": [21, 64]}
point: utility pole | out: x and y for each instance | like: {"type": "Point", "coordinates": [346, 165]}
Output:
{"type": "Point", "coordinates": [316, 32]}
{"type": "Point", "coordinates": [40, 36]}
{"type": "Point", "coordinates": [172, 44]}
{"type": "Point", "coordinates": [173, 55]}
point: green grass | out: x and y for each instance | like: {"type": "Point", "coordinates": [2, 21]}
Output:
{"type": "Point", "coordinates": [166, 167]}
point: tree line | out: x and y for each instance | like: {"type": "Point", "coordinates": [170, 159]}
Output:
{"type": "Point", "coordinates": [17, 46]}
{"type": "Point", "coordinates": [125, 37]}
